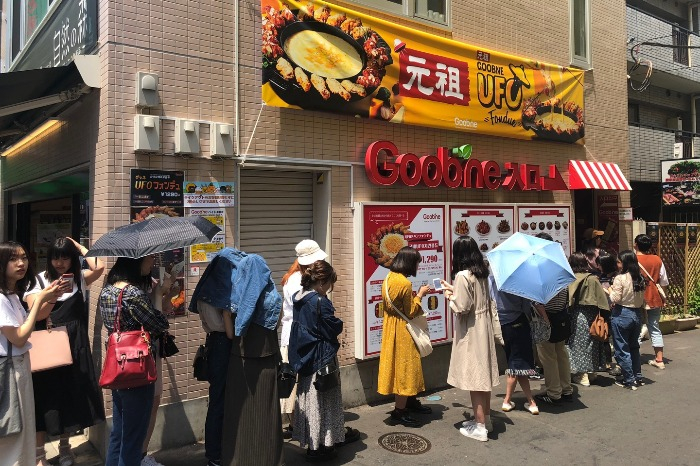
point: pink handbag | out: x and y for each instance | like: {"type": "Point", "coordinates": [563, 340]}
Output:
{"type": "Point", "coordinates": [50, 348]}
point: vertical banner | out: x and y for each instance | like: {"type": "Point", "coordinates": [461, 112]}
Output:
{"type": "Point", "coordinates": [488, 224]}
{"type": "Point", "coordinates": [321, 56]}
{"type": "Point", "coordinates": [388, 228]}
{"type": "Point", "coordinates": [554, 219]}
{"type": "Point", "coordinates": [158, 193]}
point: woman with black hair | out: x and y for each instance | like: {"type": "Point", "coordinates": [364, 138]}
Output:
{"type": "Point", "coordinates": [66, 399]}
{"type": "Point", "coordinates": [16, 326]}
{"type": "Point", "coordinates": [627, 295]}
{"type": "Point", "coordinates": [586, 300]}
{"type": "Point", "coordinates": [609, 267]}
{"type": "Point", "coordinates": [473, 363]}
{"type": "Point", "coordinates": [400, 369]}
{"type": "Point", "coordinates": [129, 281]}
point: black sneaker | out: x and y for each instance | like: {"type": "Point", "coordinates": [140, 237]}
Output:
{"type": "Point", "coordinates": [569, 398]}
{"type": "Point", "coordinates": [322, 454]}
{"type": "Point", "coordinates": [627, 386]}
{"type": "Point", "coordinates": [416, 406]}
{"type": "Point", "coordinates": [543, 397]}
{"type": "Point", "coordinates": [402, 417]}
{"type": "Point", "coordinates": [640, 382]}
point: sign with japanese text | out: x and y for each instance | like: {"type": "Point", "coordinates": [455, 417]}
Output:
{"type": "Point", "coordinates": [681, 183]}
{"type": "Point", "coordinates": [156, 187]}
{"type": "Point", "coordinates": [70, 29]}
{"type": "Point", "coordinates": [208, 194]}
{"type": "Point", "coordinates": [205, 252]}
{"type": "Point", "coordinates": [488, 224]}
{"type": "Point", "coordinates": [553, 219]}
{"type": "Point", "coordinates": [321, 56]}
{"type": "Point", "coordinates": [386, 229]}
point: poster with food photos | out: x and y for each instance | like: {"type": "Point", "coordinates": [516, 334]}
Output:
{"type": "Point", "coordinates": [554, 219]}
{"type": "Point", "coordinates": [489, 224]}
{"type": "Point", "coordinates": [386, 229]}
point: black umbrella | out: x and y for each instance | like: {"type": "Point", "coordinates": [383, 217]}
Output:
{"type": "Point", "coordinates": [154, 235]}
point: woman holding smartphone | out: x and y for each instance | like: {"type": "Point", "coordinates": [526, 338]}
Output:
{"type": "Point", "coordinates": [66, 399]}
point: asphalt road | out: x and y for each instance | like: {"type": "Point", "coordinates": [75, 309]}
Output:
{"type": "Point", "coordinates": [605, 425]}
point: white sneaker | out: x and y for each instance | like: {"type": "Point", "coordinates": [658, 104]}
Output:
{"type": "Point", "coordinates": [475, 431]}
{"type": "Point", "coordinates": [148, 460]}
{"type": "Point", "coordinates": [488, 424]}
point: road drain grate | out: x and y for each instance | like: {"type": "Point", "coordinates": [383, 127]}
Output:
{"type": "Point", "coordinates": [404, 443]}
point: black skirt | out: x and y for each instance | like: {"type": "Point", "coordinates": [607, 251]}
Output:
{"type": "Point", "coordinates": [68, 399]}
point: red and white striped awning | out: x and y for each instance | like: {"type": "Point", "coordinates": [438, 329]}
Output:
{"type": "Point", "coordinates": [597, 175]}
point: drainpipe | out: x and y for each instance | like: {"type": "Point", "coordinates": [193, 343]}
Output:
{"type": "Point", "coordinates": [237, 78]}
{"type": "Point", "coordinates": [694, 121]}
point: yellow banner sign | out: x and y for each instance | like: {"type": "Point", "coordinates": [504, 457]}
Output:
{"type": "Point", "coordinates": [320, 56]}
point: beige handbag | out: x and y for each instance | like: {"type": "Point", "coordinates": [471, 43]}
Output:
{"type": "Point", "coordinates": [50, 348]}
{"type": "Point", "coordinates": [417, 327]}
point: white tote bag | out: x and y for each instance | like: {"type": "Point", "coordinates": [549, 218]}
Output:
{"type": "Point", "coordinates": [417, 327]}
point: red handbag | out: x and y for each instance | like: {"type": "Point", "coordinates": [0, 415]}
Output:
{"type": "Point", "coordinates": [128, 360]}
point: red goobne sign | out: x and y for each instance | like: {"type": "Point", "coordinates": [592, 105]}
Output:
{"type": "Point", "coordinates": [434, 170]}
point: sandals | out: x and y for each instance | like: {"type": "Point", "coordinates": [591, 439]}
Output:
{"type": "Point", "coordinates": [534, 410]}
{"type": "Point", "coordinates": [508, 407]}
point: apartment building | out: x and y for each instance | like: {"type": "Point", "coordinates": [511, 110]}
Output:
{"type": "Point", "coordinates": [662, 108]}
{"type": "Point", "coordinates": [195, 93]}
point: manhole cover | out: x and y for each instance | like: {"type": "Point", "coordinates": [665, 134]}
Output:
{"type": "Point", "coordinates": [404, 443]}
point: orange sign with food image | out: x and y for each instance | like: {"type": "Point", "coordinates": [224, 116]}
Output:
{"type": "Point", "coordinates": [320, 56]}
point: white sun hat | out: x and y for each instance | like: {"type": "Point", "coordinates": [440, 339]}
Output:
{"type": "Point", "coordinates": [308, 252]}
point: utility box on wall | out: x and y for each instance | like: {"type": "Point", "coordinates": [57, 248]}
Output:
{"type": "Point", "coordinates": [186, 136]}
{"type": "Point", "coordinates": [146, 133]}
{"type": "Point", "coordinates": [221, 140]}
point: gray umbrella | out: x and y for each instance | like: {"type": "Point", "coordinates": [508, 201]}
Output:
{"type": "Point", "coordinates": [154, 235]}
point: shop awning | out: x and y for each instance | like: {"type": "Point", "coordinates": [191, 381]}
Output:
{"type": "Point", "coordinates": [24, 95]}
{"type": "Point", "coordinates": [597, 175]}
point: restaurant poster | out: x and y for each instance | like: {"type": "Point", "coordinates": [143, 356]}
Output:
{"type": "Point", "coordinates": [205, 252]}
{"type": "Point", "coordinates": [488, 224]}
{"type": "Point", "coordinates": [158, 193]}
{"type": "Point", "coordinates": [680, 182]}
{"type": "Point", "coordinates": [608, 221]}
{"type": "Point", "coordinates": [321, 56]}
{"type": "Point", "coordinates": [554, 219]}
{"type": "Point", "coordinates": [208, 194]}
{"type": "Point", "coordinates": [386, 228]}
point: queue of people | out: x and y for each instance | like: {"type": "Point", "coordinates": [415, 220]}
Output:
{"type": "Point", "coordinates": [240, 310]}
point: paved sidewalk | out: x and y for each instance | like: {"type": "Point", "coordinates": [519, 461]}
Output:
{"type": "Point", "coordinates": [605, 425]}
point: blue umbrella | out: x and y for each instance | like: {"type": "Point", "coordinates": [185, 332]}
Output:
{"type": "Point", "coordinates": [530, 267]}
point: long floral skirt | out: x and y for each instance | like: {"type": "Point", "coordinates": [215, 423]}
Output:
{"type": "Point", "coordinates": [318, 416]}
{"type": "Point", "coordinates": [586, 354]}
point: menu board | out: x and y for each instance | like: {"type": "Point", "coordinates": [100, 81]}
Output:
{"type": "Point", "coordinates": [554, 219]}
{"type": "Point", "coordinates": [681, 182]}
{"type": "Point", "coordinates": [385, 230]}
{"type": "Point", "coordinates": [489, 225]}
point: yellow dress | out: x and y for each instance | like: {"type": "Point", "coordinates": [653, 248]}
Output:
{"type": "Point", "coordinates": [400, 371]}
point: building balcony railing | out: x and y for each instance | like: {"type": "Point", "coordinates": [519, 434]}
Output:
{"type": "Point", "coordinates": [649, 145]}
{"type": "Point", "coordinates": [677, 59]}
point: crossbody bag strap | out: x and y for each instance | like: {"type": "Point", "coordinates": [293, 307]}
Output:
{"type": "Point", "coordinates": [645, 271]}
{"type": "Point", "coordinates": [386, 290]}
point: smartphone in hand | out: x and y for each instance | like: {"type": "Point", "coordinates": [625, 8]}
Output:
{"type": "Point", "coordinates": [67, 277]}
{"type": "Point", "coordinates": [437, 284]}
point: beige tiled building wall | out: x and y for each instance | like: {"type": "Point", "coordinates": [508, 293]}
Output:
{"type": "Point", "coordinates": [190, 45]}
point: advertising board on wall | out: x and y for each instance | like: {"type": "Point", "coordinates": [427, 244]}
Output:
{"type": "Point", "coordinates": [680, 182]}
{"type": "Point", "coordinates": [321, 56]}
{"type": "Point", "coordinates": [554, 219]}
{"type": "Point", "coordinates": [488, 224]}
{"type": "Point", "coordinates": [385, 229]}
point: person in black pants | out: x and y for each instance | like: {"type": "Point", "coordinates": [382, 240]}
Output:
{"type": "Point", "coordinates": [218, 324]}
